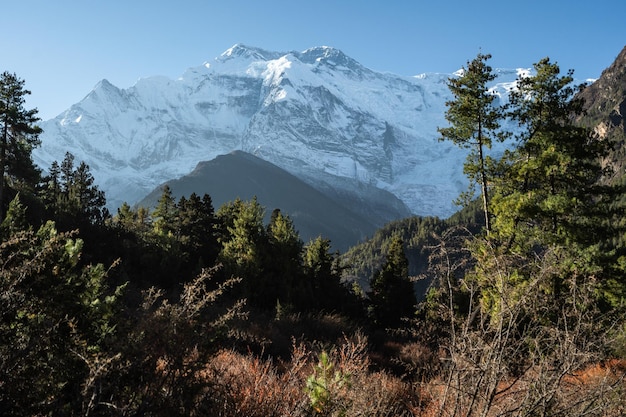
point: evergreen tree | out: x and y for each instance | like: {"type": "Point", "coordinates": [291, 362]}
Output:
{"type": "Point", "coordinates": [15, 219]}
{"type": "Point", "coordinates": [72, 196]}
{"type": "Point", "coordinates": [391, 293]}
{"type": "Point", "coordinates": [244, 240]}
{"type": "Point", "coordinates": [283, 269]}
{"type": "Point", "coordinates": [165, 214]}
{"type": "Point", "coordinates": [474, 123]}
{"type": "Point", "coordinates": [18, 136]}
{"type": "Point", "coordinates": [125, 215]}
{"type": "Point", "coordinates": [323, 274]}
{"type": "Point", "coordinates": [132, 220]}
{"type": "Point", "coordinates": [50, 191]}
{"type": "Point", "coordinates": [88, 198]}
{"type": "Point", "coordinates": [550, 189]}
{"type": "Point", "coordinates": [198, 229]}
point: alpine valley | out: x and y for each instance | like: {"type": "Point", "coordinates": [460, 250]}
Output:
{"type": "Point", "coordinates": [365, 139]}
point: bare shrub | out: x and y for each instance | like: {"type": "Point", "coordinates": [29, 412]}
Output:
{"type": "Point", "coordinates": [250, 386]}
{"type": "Point", "coordinates": [246, 385]}
{"type": "Point", "coordinates": [526, 330]}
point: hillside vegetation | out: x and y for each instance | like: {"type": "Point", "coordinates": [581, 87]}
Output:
{"type": "Point", "coordinates": [512, 307]}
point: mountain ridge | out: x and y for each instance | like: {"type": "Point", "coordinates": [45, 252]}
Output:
{"type": "Point", "coordinates": [605, 111]}
{"type": "Point", "coordinates": [240, 175]}
{"type": "Point", "coordinates": [319, 114]}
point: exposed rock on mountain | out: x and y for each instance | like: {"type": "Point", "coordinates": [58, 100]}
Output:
{"type": "Point", "coordinates": [605, 106]}
{"type": "Point", "coordinates": [348, 131]}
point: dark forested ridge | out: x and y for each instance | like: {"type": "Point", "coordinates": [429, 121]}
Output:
{"type": "Point", "coordinates": [513, 306]}
{"type": "Point", "coordinates": [420, 235]}
{"type": "Point", "coordinates": [244, 176]}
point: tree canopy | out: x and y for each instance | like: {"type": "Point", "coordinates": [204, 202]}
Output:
{"type": "Point", "coordinates": [475, 119]}
{"type": "Point", "coordinates": [19, 134]}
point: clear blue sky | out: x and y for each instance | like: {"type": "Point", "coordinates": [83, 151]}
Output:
{"type": "Point", "coordinates": [62, 48]}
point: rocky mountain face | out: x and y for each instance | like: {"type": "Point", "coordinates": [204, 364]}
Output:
{"type": "Point", "coordinates": [605, 107]}
{"type": "Point", "coordinates": [365, 138]}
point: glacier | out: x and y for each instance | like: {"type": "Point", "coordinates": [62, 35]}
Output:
{"type": "Point", "coordinates": [318, 114]}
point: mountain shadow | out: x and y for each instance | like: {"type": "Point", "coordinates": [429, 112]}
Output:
{"type": "Point", "coordinates": [242, 175]}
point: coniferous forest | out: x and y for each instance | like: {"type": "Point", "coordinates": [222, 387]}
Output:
{"type": "Point", "coordinates": [514, 306]}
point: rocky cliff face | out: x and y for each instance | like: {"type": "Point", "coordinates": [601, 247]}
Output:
{"type": "Point", "coordinates": [605, 107]}
{"type": "Point", "coordinates": [356, 134]}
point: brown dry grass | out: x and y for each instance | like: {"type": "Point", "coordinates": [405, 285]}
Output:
{"type": "Point", "coordinates": [596, 390]}
{"type": "Point", "coordinates": [246, 385]}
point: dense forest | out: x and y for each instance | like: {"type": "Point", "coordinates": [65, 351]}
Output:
{"type": "Point", "coordinates": [512, 307]}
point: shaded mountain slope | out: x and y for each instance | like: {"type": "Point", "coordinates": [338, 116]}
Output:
{"type": "Point", "coordinates": [244, 176]}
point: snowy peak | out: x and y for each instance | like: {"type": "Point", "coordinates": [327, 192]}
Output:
{"type": "Point", "coordinates": [241, 51]}
{"type": "Point", "coordinates": [331, 58]}
{"type": "Point", "coordinates": [318, 114]}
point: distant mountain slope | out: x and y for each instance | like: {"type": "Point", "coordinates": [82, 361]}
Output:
{"type": "Point", "coordinates": [244, 176]}
{"type": "Point", "coordinates": [420, 236]}
{"type": "Point", "coordinates": [605, 105]}
{"type": "Point", "coordinates": [319, 114]}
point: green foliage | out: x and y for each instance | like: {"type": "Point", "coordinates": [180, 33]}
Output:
{"type": "Point", "coordinates": [19, 134]}
{"type": "Point", "coordinates": [165, 214]}
{"type": "Point", "coordinates": [550, 189]}
{"type": "Point", "coordinates": [15, 219]}
{"type": "Point", "coordinates": [71, 196]}
{"type": "Point", "coordinates": [54, 310]}
{"type": "Point", "coordinates": [243, 237]}
{"type": "Point", "coordinates": [391, 295]}
{"type": "Point", "coordinates": [198, 230]}
{"type": "Point", "coordinates": [168, 252]}
{"type": "Point", "coordinates": [528, 323]}
{"type": "Point", "coordinates": [282, 266]}
{"type": "Point", "coordinates": [323, 386]}
{"type": "Point", "coordinates": [531, 303]}
{"type": "Point", "coordinates": [363, 259]}
{"type": "Point", "coordinates": [322, 272]}
{"type": "Point", "coordinates": [419, 235]}
{"type": "Point", "coordinates": [475, 123]}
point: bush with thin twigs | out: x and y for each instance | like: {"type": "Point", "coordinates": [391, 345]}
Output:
{"type": "Point", "coordinates": [247, 385]}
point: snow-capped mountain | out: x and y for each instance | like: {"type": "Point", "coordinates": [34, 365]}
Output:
{"type": "Point", "coordinates": [318, 114]}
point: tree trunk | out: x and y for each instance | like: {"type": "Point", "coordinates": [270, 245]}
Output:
{"type": "Point", "coordinates": [3, 156]}
{"type": "Point", "coordinates": [483, 180]}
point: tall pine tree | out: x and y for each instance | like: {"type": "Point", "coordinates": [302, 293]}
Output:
{"type": "Point", "coordinates": [391, 294]}
{"type": "Point", "coordinates": [19, 134]}
{"type": "Point", "coordinates": [474, 121]}
{"type": "Point", "coordinates": [244, 242]}
{"type": "Point", "coordinates": [165, 214]}
{"type": "Point", "coordinates": [550, 191]}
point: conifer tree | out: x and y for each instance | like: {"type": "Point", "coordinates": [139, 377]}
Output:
{"type": "Point", "coordinates": [165, 213]}
{"type": "Point", "coordinates": [244, 239]}
{"type": "Point", "coordinates": [18, 136]}
{"type": "Point", "coordinates": [71, 194]}
{"type": "Point", "coordinates": [474, 121]}
{"type": "Point", "coordinates": [391, 293]}
{"type": "Point", "coordinates": [198, 229]}
{"type": "Point", "coordinates": [323, 273]}
{"type": "Point", "coordinates": [550, 191]}
{"type": "Point", "coordinates": [15, 219]}
{"type": "Point", "coordinates": [283, 266]}
{"type": "Point", "coordinates": [125, 215]}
